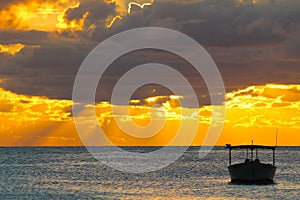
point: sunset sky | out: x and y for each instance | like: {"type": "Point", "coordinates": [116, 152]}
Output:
{"type": "Point", "coordinates": [254, 43]}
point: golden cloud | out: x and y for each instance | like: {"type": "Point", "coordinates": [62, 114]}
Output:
{"type": "Point", "coordinates": [25, 108]}
{"type": "Point", "coordinates": [33, 14]}
{"type": "Point", "coordinates": [11, 48]}
{"type": "Point", "coordinates": [50, 15]}
{"type": "Point", "coordinates": [254, 111]}
{"type": "Point", "coordinates": [270, 105]}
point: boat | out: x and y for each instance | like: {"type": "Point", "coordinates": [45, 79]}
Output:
{"type": "Point", "coordinates": [252, 170]}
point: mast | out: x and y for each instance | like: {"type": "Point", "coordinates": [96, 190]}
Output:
{"type": "Point", "coordinates": [252, 151]}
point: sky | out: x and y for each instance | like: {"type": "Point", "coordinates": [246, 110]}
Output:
{"type": "Point", "coordinates": [254, 43]}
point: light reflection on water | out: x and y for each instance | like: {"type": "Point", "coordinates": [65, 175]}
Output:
{"type": "Point", "coordinates": [71, 172]}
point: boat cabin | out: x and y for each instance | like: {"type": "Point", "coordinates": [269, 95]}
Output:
{"type": "Point", "coordinates": [252, 170]}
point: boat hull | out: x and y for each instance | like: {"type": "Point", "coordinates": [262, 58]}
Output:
{"type": "Point", "coordinates": [252, 172]}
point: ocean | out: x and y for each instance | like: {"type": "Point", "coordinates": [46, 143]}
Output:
{"type": "Point", "coordinates": [73, 173]}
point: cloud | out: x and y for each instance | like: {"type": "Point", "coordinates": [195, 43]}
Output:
{"type": "Point", "coordinates": [224, 23]}
{"type": "Point", "coordinates": [88, 15]}
{"type": "Point", "coordinates": [251, 43]}
{"type": "Point", "coordinates": [24, 108]}
{"type": "Point", "coordinates": [257, 42]}
{"type": "Point", "coordinates": [11, 48]}
{"type": "Point", "coordinates": [96, 9]}
{"type": "Point", "coordinates": [31, 14]}
{"type": "Point", "coordinates": [24, 37]}
{"type": "Point", "coordinates": [35, 120]}
{"type": "Point", "coordinates": [270, 95]}
{"type": "Point", "coordinates": [268, 105]}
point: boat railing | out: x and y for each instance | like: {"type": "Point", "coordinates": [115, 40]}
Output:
{"type": "Point", "coordinates": [251, 148]}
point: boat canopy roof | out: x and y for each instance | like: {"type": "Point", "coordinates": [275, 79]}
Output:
{"type": "Point", "coordinates": [250, 147]}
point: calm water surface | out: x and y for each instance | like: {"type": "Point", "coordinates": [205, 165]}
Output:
{"type": "Point", "coordinates": [72, 173]}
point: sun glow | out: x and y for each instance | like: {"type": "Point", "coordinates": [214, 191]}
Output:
{"type": "Point", "coordinates": [33, 15]}
{"type": "Point", "coordinates": [254, 112]}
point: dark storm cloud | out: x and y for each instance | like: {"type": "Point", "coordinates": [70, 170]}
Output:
{"type": "Point", "coordinates": [97, 10]}
{"type": "Point", "coordinates": [47, 65]}
{"type": "Point", "coordinates": [100, 13]}
{"type": "Point", "coordinates": [293, 48]}
{"type": "Point", "coordinates": [224, 23]}
{"type": "Point", "coordinates": [47, 71]}
{"type": "Point", "coordinates": [24, 37]}
{"type": "Point", "coordinates": [251, 44]}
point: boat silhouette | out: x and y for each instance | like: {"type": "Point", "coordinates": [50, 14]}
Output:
{"type": "Point", "coordinates": [252, 170]}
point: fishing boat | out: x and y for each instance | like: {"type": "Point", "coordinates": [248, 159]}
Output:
{"type": "Point", "coordinates": [252, 170]}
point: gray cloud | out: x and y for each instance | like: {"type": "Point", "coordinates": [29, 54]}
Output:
{"type": "Point", "coordinates": [24, 37]}
{"type": "Point", "coordinates": [251, 44]}
{"type": "Point", "coordinates": [98, 10]}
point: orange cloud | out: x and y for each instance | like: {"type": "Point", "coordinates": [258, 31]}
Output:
{"type": "Point", "coordinates": [255, 112]}
{"type": "Point", "coordinates": [24, 108]}
{"type": "Point", "coordinates": [251, 113]}
{"type": "Point", "coordinates": [32, 120]}
{"type": "Point", "coordinates": [267, 96]}
{"type": "Point", "coordinates": [11, 48]}
{"type": "Point", "coordinates": [33, 14]}
{"type": "Point", "coordinates": [50, 15]}
{"type": "Point", "coordinates": [73, 24]}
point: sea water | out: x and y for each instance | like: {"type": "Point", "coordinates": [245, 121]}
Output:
{"type": "Point", "coordinates": [73, 173]}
